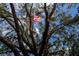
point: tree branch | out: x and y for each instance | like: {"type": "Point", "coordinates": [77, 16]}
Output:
{"type": "Point", "coordinates": [44, 41]}
{"type": "Point", "coordinates": [45, 34]}
{"type": "Point", "coordinates": [10, 22]}
{"type": "Point", "coordinates": [18, 30]}
{"type": "Point", "coordinates": [53, 9]}
{"type": "Point", "coordinates": [30, 28]}
{"type": "Point", "coordinates": [75, 20]}
{"type": "Point", "coordinates": [9, 44]}
{"type": "Point", "coordinates": [31, 8]}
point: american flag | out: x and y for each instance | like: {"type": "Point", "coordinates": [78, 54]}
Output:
{"type": "Point", "coordinates": [36, 19]}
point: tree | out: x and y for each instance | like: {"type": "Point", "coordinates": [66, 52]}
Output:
{"type": "Point", "coordinates": [21, 37]}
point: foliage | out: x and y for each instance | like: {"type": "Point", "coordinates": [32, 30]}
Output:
{"type": "Point", "coordinates": [55, 34]}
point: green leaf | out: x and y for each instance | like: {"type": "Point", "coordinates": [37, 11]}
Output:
{"type": "Point", "coordinates": [62, 28]}
{"type": "Point", "coordinates": [5, 13]}
{"type": "Point", "coordinates": [54, 19]}
{"type": "Point", "coordinates": [69, 6]}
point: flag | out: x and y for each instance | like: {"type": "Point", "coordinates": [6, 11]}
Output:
{"type": "Point", "coordinates": [36, 19]}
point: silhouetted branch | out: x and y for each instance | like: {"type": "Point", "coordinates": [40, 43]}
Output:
{"type": "Point", "coordinates": [30, 28]}
{"type": "Point", "coordinates": [75, 20]}
{"type": "Point", "coordinates": [22, 48]}
{"type": "Point", "coordinates": [10, 22]}
{"type": "Point", "coordinates": [53, 9]}
{"type": "Point", "coordinates": [9, 44]}
{"type": "Point", "coordinates": [31, 8]}
{"type": "Point", "coordinates": [45, 34]}
{"type": "Point", "coordinates": [44, 41]}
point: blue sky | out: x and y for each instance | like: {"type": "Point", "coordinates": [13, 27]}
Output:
{"type": "Point", "coordinates": [72, 12]}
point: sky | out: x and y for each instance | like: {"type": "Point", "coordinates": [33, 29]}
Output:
{"type": "Point", "coordinates": [72, 12]}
